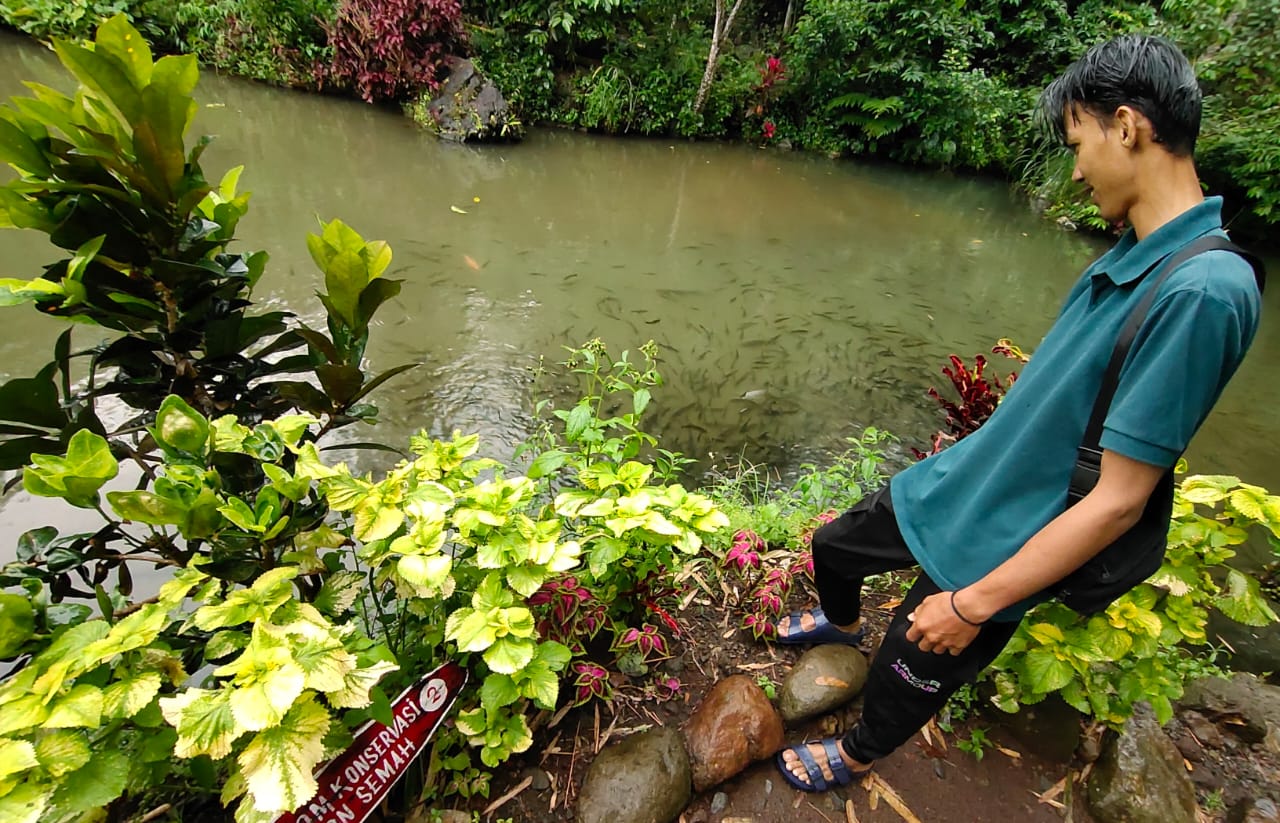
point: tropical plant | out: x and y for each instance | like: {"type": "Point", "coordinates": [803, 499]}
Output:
{"type": "Point", "coordinates": [62, 18]}
{"type": "Point", "coordinates": [1142, 647]}
{"type": "Point", "coordinates": [389, 49]}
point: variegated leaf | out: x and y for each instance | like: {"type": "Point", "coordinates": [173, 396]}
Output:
{"type": "Point", "coordinates": [278, 762]}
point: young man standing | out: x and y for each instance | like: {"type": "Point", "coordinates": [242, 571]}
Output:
{"type": "Point", "coordinates": [986, 519]}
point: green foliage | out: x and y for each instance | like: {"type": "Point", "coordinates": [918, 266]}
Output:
{"type": "Point", "coordinates": [279, 42]}
{"type": "Point", "coordinates": [1140, 649]}
{"type": "Point", "coordinates": [976, 743]}
{"type": "Point", "coordinates": [63, 18]}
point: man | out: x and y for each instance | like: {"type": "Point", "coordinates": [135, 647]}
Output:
{"type": "Point", "coordinates": [986, 519]}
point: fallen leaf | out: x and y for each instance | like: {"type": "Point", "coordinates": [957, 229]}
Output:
{"type": "Point", "coordinates": [1053, 791]}
{"type": "Point", "coordinates": [850, 815]}
{"type": "Point", "coordinates": [751, 667]}
{"type": "Point", "coordinates": [457, 210]}
{"type": "Point", "coordinates": [833, 682]}
{"type": "Point", "coordinates": [892, 604]}
{"type": "Point", "coordinates": [1009, 752]}
{"type": "Point", "coordinates": [891, 797]}
{"type": "Point", "coordinates": [1187, 763]}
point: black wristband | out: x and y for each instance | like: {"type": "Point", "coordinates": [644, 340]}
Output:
{"type": "Point", "coordinates": [958, 614]}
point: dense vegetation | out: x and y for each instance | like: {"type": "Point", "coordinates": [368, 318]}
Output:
{"type": "Point", "coordinates": [934, 83]}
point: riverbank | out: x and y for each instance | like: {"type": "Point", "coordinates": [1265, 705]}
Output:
{"type": "Point", "coordinates": [841, 77]}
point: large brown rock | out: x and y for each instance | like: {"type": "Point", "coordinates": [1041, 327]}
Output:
{"type": "Point", "coordinates": [643, 779]}
{"type": "Point", "coordinates": [734, 726]}
{"type": "Point", "coordinates": [1140, 777]}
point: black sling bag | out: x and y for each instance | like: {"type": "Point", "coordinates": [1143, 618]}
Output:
{"type": "Point", "coordinates": [1138, 553]}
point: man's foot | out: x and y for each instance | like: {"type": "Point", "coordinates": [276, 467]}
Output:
{"type": "Point", "coordinates": [812, 626]}
{"type": "Point", "coordinates": [815, 767]}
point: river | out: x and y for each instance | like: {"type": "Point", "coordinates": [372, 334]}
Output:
{"type": "Point", "coordinates": [795, 299]}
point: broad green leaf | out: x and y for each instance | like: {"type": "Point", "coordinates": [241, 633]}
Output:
{"type": "Point", "coordinates": [14, 292]}
{"type": "Point", "coordinates": [546, 463]}
{"type": "Point", "coordinates": [76, 477]}
{"type": "Point", "coordinates": [62, 751]}
{"type": "Point", "coordinates": [16, 756]}
{"type": "Point", "coordinates": [117, 38]}
{"type": "Point", "coordinates": [1113, 643]}
{"type": "Point", "coordinates": [1243, 602]}
{"type": "Point", "coordinates": [20, 151]}
{"type": "Point", "coordinates": [1251, 501]}
{"type": "Point", "coordinates": [375, 520]}
{"type": "Point", "coordinates": [267, 680]}
{"type": "Point", "coordinates": [526, 579]}
{"type": "Point", "coordinates": [224, 643]}
{"type": "Point", "coordinates": [640, 401]}
{"type": "Point", "coordinates": [95, 784]}
{"type": "Point", "coordinates": [357, 684]}
{"type": "Point", "coordinates": [509, 655]}
{"type": "Point", "coordinates": [25, 803]}
{"type": "Point", "coordinates": [1045, 672]}
{"type": "Point", "coordinates": [104, 76]}
{"type": "Point", "coordinates": [23, 713]}
{"type": "Point", "coordinates": [1207, 489]}
{"type": "Point", "coordinates": [711, 523]}
{"type": "Point", "coordinates": [599, 507]}
{"type": "Point", "coordinates": [259, 602]}
{"type": "Point", "coordinates": [471, 723]}
{"type": "Point", "coordinates": [17, 623]}
{"type": "Point", "coordinates": [497, 691]}
{"type": "Point", "coordinates": [324, 661]}
{"type": "Point", "coordinates": [605, 551]}
{"type": "Point", "coordinates": [147, 507]}
{"type": "Point", "coordinates": [127, 697]}
{"type": "Point", "coordinates": [181, 427]}
{"type": "Point", "coordinates": [470, 629]}
{"type": "Point", "coordinates": [167, 111]}
{"type": "Point", "coordinates": [426, 573]}
{"type": "Point", "coordinates": [278, 762]}
{"type": "Point", "coordinates": [540, 685]}
{"type": "Point", "coordinates": [204, 722]}
{"type": "Point", "coordinates": [79, 708]}
{"type": "Point", "coordinates": [339, 592]}
{"type": "Point", "coordinates": [577, 422]}
{"type": "Point", "coordinates": [570, 503]}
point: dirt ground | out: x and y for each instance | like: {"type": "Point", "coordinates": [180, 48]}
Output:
{"type": "Point", "coordinates": [929, 780]}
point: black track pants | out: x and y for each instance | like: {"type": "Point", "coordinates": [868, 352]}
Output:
{"type": "Point", "coordinates": [906, 686]}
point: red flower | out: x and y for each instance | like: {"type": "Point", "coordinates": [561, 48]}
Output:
{"type": "Point", "coordinates": [769, 129]}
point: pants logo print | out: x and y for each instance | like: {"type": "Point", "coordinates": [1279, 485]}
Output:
{"type": "Point", "coordinates": [930, 686]}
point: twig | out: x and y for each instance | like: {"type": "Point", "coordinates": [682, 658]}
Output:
{"type": "Point", "coordinates": [820, 814]}
{"type": "Point", "coordinates": [497, 804]}
{"type": "Point", "coordinates": [156, 812]}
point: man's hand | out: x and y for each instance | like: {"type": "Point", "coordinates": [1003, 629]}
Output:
{"type": "Point", "coordinates": [936, 628]}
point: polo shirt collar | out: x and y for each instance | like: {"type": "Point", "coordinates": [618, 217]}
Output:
{"type": "Point", "coordinates": [1129, 259]}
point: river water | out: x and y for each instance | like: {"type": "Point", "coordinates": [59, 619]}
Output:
{"type": "Point", "coordinates": [795, 299]}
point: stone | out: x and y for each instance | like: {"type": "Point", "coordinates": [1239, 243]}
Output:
{"type": "Point", "coordinates": [468, 107]}
{"type": "Point", "coordinates": [1258, 810]}
{"type": "Point", "coordinates": [719, 802]}
{"type": "Point", "coordinates": [823, 678]}
{"type": "Point", "coordinates": [1254, 649]}
{"type": "Point", "coordinates": [734, 726]}
{"type": "Point", "coordinates": [1049, 729]}
{"type": "Point", "coordinates": [539, 779]}
{"type": "Point", "coordinates": [421, 814]}
{"type": "Point", "coordinates": [1140, 777]}
{"type": "Point", "coordinates": [1204, 730]}
{"type": "Point", "coordinates": [1244, 700]}
{"type": "Point", "coordinates": [645, 778]}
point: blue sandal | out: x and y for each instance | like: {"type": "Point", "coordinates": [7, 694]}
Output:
{"type": "Point", "coordinates": [842, 775]}
{"type": "Point", "coordinates": [823, 631]}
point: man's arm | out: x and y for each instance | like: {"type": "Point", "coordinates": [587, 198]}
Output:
{"type": "Point", "coordinates": [1066, 543]}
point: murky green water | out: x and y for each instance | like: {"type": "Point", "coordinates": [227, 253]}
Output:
{"type": "Point", "coordinates": [795, 299]}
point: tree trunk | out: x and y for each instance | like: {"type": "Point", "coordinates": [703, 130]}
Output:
{"type": "Point", "coordinates": [718, 35]}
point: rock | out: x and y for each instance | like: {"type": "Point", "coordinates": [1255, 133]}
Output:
{"type": "Point", "coordinates": [643, 779]}
{"type": "Point", "coordinates": [421, 814]}
{"type": "Point", "coordinates": [1066, 223]}
{"type": "Point", "coordinates": [1049, 729]}
{"type": "Point", "coordinates": [719, 802]}
{"type": "Point", "coordinates": [468, 107]}
{"type": "Point", "coordinates": [539, 780]}
{"type": "Point", "coordinates": [1140, 777]}
{"type": "Point", "coordinates": [1205, 732]}
{"type": "Point", "coordinates": [1253, 649]}
{"type": "Point", "coordinates": [1259, 810]}
{"type": "Point", "coordinates": [1242, 698]}
{"type": "Point", "coordinates": [823, 678]}
{"type": "Point", "coordinates": [734, 726]}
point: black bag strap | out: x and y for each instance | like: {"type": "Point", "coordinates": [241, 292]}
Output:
{"type": "Point", "coordinates": [1111, 379]}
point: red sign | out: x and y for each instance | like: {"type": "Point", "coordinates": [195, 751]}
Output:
{"type": "Point", "coordinates": [354, 783]}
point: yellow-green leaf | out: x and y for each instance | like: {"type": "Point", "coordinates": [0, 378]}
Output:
{"type": "Point", "coordinates": [1046, 633]}
{"type": "Point", "coordinates": [62, 751]}
{"type": "Point", "coordinates": [324, 662]}
{"type": "Point", "coordinates": [16, 756]}
{"type": "Point", "coordinates": [356, 685]}
{"type": "Point", "coordinates": [130, 696]}
{"type": "Point", "coordinates": [25, 803]}
{"type": "Point", "coordinates": [204, 722]}
{"type": "Point", "coordinates": [278, 762]}
{"type": "Point", "coordinates": [79, 708]}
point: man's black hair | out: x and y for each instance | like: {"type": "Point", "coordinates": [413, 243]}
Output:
{"type": "Point", "coordinates": [1144, 72]}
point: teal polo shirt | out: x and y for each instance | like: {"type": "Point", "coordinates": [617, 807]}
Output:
{"type": "Point", "coordinates": [966, 510]}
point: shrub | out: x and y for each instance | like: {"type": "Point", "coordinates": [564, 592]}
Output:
{"type": "Point", "coordinates": [388, 49]}
{"type": "Point", "coordinates": [62, 18]}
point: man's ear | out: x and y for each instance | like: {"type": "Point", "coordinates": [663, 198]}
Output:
{"type": "Point", "coordinates": [1131, 124]}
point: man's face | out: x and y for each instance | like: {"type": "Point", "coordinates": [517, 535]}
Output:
{"type": "Point", "coordinates": [1103, 163]}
